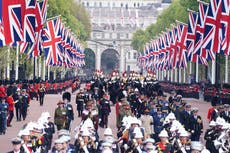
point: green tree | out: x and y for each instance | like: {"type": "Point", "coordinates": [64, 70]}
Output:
{"type": "Point", "coordinates": [75, 16]}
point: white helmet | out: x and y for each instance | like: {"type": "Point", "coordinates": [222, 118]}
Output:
{"type": "Point", "coordinates": [108, 131]}
{"type": "Point", "coordinates": [163, 133]}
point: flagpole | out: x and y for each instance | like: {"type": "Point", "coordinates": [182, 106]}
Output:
{"type": "Point", "coordinates": [16, 63]}
{"type": "Point", "coordinates": [213, 72]}
{"type": "Point", "coordinates": [44, 69]}
{"type": "Point", "coordinates": [53, 18]}
{"type": "Point", "coordinates": [226, 69]}
{"type": "Point", "coordinates": [8, 64]}
{"type": "Point", "coordinates": [197, 72]}
{"type": "Point", "coordinates": [35, 64]}
{"type": "Point", "coordinates": [179, 75]}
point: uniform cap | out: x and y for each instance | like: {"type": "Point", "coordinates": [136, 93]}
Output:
{"type": "Point", "coordinates": [59, 141]}
{"type": "Point", "coordinates": [212, 123]}
{"type": "Point", "coordinates": [184, 134]}
{"type": "Point", "coordinates": [205, 151]}
{"type": "Point", "coordinates": [149, 140]}
{"type": "Point", "coordinates": [196, 145]}
{"type": "Point", "coordinates": [171, 116]}
{"type": "Point", "coordinates": [16, 140]}
{"type": "Point", "coordinates": [136, 90]}
{"type": "Point", "coordinates": [63, 132]}
{"type": "Point", "coordinates": [163, 133]}
{"type": "Point", "coordinates": [24, 132]}
{"type": "Point", "coordinates": [195, 109]}
{"type": "Point", "coordinates": [65, 138]}
{"type": "Point", "coordinates": [108, 131]}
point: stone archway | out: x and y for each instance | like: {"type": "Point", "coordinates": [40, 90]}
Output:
{"type": "Point", "coordinates": [110, 60]}
{"type": "Point", "coordinates": [89, 61]}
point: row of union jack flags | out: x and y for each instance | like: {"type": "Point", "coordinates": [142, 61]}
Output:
{"type": "Point", "coordinates": [207, 34]}
{"type": "Point", "coordinates": [24, 22]}
{"type": "Point", "coordinates": [60, 46]}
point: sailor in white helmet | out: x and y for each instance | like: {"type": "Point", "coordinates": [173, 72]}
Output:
{"type": "Point", "coordinates": [163, 145]}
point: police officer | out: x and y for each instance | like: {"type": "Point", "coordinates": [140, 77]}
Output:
{"type": "Point", "coordinates": [3, 116]}
{"type": "Point", "coordinates": [196, 125]}
{"type": "Point", "coordinates": [105, 111]}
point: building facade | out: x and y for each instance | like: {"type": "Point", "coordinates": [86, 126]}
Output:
{"type": "Point", "coordinates": [114, 22]}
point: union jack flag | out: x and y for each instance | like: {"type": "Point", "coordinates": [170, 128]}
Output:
{"type": "Point", "coordinates": [190, 40]}
{"type": "Point", "coordinates": [212, 33]}
{"type": "Point", "coordinates": [29, 21]}
{"type": "Point", "coordinates": [225, 20]}
{"type": "Point", "coordinates": [13, 15]}
{"type": "Point", "coordinates": [52, 42]}
{"type": "Point", "coordinates": [181, 45]}
{"type": "Point", "coordinates": [173, 47]}
{"type": "Point", "coordinates": [2, 37]}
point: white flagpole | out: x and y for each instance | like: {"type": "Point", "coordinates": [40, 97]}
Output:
{"type": "Point", "coordinates": [8, 64]}
{"type": "Point", "coordinates": [197, 72]}
{"type": "Point", "coordinates": [179, 75]}
{"type": "Point", "coordinates": [226, 69]}
{"type": "Point", "coordinates": [44, 69]}
{"type": "Point", "coordinates": [213, 72]}
{"type": "Point", "coordinates": [17, 61]}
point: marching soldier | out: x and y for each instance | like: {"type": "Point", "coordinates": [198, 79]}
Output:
{"type": "Point", "coordinates": [3, 115]}
{"type": "Point", "coordinates": [80, 101]}
{"type": "Point", "coordinates": [70, 114]}
{"type": "Point", "coordinates": [86, 144]}
{"type": "Point", "coordinates": [123, 110]}
{"type": "Point", "coordinates": [91, 112]}
{"type": "Point", "coordinates": [60, 116]}
{"type": "Point", "coordinates": [210, 136]}
{"type": "Point", "coordinates": [196, 125]}
{"type": "Point", "coordinates": [25, 103]}
{"type": "Point", "coordinates": [182, 145]}
{"type": "Point", "coordinates": [41, 93]}
{"type": "Point", "coordinates": [163, 145]}
{"type": "Point", "coordinates": [105, 111]}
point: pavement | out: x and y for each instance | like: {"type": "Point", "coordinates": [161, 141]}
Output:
{"type": "Point", "coordinates": [50, 103]}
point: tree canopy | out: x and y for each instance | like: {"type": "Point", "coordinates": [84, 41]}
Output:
{"type": "Point", "coordinates": [176, 11]}
{"type": "Point", "coordinates": [74, 14]}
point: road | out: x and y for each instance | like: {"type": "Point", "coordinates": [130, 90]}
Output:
{"type": "Point", "coordinates": [50, 104]}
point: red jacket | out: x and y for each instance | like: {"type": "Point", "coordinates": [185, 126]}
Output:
{"type": "Point", "coordinates": [10, 102]}
{"type": "Point", "coordinates": [2, 92]}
